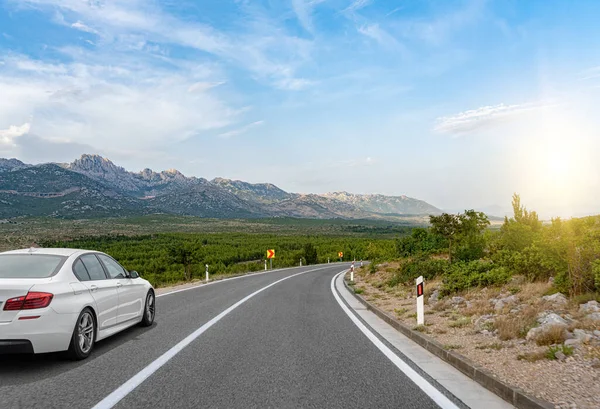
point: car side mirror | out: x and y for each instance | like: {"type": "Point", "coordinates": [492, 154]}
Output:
{"type": "Point", "coordinates": [133, 274]}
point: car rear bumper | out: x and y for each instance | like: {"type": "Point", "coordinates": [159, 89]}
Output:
{"type": "Point", "coordinates": [15, 346]}
{"type": "Point", "coordinates": [51, 332]}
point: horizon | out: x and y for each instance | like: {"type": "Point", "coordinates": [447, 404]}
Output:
{"type": "Point", "coordinates": [459, 104]}
{"type": "Point", "coordinates": [498, 212]}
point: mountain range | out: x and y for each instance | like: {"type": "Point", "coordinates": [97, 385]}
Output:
{"type": "Point", "coordinates": [93, 186]}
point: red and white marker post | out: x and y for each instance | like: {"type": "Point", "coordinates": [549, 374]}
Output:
{"type": "Point", "coordinates": [420, 301]}
{"type": "Point", "coordinates": [352, 272]}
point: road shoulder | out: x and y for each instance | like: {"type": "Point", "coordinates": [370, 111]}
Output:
{"type": "Point", "coordinates": [463, 388]}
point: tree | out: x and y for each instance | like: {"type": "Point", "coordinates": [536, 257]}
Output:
{"type": "Point", "coordinates": [310, 254]}
{"type": "Point", "coordinates": [185, 255]}
{"type": "Point", "coordinates": [446, 225]}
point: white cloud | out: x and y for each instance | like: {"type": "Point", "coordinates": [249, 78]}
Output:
{"type": "Point", "coordinates": [303, 10]}
{"type": "Point", "coordinates": [264, 48]}
{"type": "Point", "coordinates": [483, 117]}
{"type": "Point", "coordinates": [133, 106]}
{"type": "Point", "coordinates": [8, 136]}
{"type": "Point", "coordinates": [241, 130]}
{"type": "Point", "coordinates": [82, 27]}
{"type": "Point", "coordinates": [375, 32]}
{"type": "Point", "coordinates": [357, 5]}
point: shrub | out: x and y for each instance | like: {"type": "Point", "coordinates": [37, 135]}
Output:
{"type": "Point", "coordinates": [428, 268]}
{"type": "Point", "coordinates": [555, 334]}
{"type": "Point", "coordinates": [513, 326]}
{"type": "Point", "coordinates": [465, 275]}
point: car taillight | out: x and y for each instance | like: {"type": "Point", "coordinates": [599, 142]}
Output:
{"type": "Point", "coordinates": [31, 301]}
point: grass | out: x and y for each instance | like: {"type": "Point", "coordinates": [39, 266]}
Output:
{"type": "Point", "coordinates": [553, 350]}
{"type": "Point", "coordinates": [420, 328]}
{"type": "Point", "coordinates": [479, 307]}
{"type": "Point", "coordinates": [584, 298]}
{"type": "Point", "coordinates": [517, 326]}
{"type": "Point", "coordinates": [555, 334]}
{"type": "Point", "coordinates": [532, 356]}
{"type": "Point", "coordinates": [460, 323]}
{"type": "Point", "coordinates": [358, 291]}
{"type": "Point", "coordinates": [452, 346]}
{"type": "Point", "coordinates": [400, 311]}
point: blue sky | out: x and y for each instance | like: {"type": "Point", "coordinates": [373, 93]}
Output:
{"type": "Point", "coordinates": [457, 102]}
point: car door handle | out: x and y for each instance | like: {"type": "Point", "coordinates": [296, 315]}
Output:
{"type": "Point", "coordinates": [93, 288]}
{"type": "Point", "coordinates": [119, 285]}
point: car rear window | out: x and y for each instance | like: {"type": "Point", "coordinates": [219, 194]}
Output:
{"type": "Point", "coordinates": [29, 265]}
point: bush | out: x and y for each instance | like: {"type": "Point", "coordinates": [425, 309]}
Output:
{"type": "Point", "coordinates": [428, 268]}
{"type": "Point", "coordinates": [465, 275]}
{"type": "Point", "coordinates": [596, 272]}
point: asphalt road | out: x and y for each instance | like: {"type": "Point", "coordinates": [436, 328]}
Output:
{"type": "Point", "coordinates": [288, 346]}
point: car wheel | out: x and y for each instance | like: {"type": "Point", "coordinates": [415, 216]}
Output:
{"type": "Point", "coordinates": [149, 310]}
{"type": "Point", "coordinates": [84, 336]}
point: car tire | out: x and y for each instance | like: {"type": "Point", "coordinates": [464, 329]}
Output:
{"type": "Point", "coordinates": [84, 336]}
{"type": "Point", "coordinates": [149, 310]}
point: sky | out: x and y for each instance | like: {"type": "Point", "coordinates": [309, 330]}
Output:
{"type": "Point", "coordinates": [459, 103]}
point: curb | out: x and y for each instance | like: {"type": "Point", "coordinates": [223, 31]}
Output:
{"type": "Point", "coordinates": [482, 376]}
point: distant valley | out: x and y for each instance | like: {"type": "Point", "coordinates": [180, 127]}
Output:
{"type": "Point", "coordinates": [93, 186]}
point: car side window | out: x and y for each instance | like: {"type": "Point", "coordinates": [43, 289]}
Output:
{"type": "Point", "coordinates": [80, 271]}
{"type": "Point", "coordinates": [114, 269]}
{"type": "Point", "coordinates": [93, 267]}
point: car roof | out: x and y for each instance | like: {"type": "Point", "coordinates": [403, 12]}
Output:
{"type": "Point", "coordinates": [48, 251]}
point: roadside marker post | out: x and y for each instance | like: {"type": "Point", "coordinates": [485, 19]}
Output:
{"type": "Point", "coordinates": [361, 263]}
{"type": "Point", "coordinates": [352, 272]}
{"type": "Point", "coordinates": [327, 261]}
{"type": "Point", "coordinates": [265, 265]}
{"type": "Point", "coordinates": [420, 301]}
{"type": "Point", "coordinates": [300, 261]}
{"type": "Point", "coordinates": [207, 273]}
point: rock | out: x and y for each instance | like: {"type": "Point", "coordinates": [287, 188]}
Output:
{"type": "Point", "coordinates": [560, 356]}
{"type": "Point", "coordinates": [582, 335]}
{"type": "Point", "coordinates": [551, 281]}
{"type": "Point", "coordinates": [597, 334]}
{"type": "Point", "coordinates": [547, 321]}
{"type": "Point", "coordinates": [457, 300]}
{"type": "Point", "coordinates": [484, 322]}
{"type": "Point", "coordinates": [485, 332]}
{"type": "Point", "coordinates": [590, 306]}
{"type": "Point", "coordinates": [556, 299]}
{"type": "Point", "coordinates": [469, 304]}
{"type": "Point", "coordinates": [595, 316]}
{"type": "Point", "coordinates": [502, 302]}
{"type": "Point", "coordinates": [573, 343]}
{"type": "Point", "coordinates": [550, 318]}
{"type": "Point", "coordinates": [434, 297]}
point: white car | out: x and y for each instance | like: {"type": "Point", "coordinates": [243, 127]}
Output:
{"type": "Point", "coordinates": [65, 300]}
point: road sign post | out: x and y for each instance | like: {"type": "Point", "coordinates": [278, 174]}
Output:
{"type": "Point", "coordinates": [420, 301]}
{"type": "Point", "coordinates": [341, 255]}
{"type": "Point", "coordinates": [207, 273]}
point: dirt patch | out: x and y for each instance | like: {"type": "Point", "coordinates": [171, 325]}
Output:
{"type": "Point", "coordinates": [494, 335]}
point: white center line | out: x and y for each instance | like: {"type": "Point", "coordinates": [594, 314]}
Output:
{"type": "Point", "coordinates": [120, 393]}
{"type": "Point", "coordinates": [437, 396]}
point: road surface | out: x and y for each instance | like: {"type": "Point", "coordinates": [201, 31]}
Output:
{"type": "Point", "coordinates": [290, 345]}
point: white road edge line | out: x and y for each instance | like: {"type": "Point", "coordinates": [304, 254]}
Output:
{"type": "Point", "coordinates": [425, 386]}
{"type": "Point", "coordinates": [201, 285]}
{"type": "Point", "coordinates": [121, 392]}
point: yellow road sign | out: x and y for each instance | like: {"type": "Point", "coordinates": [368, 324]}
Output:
{"type": "Point", "coordinates": [341, 254]}
{"type": "Point", "coordinates": [270, 253]}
